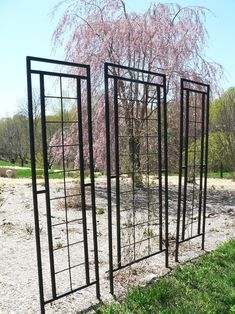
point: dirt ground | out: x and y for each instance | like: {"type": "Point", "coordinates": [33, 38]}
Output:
{"type": "Point", "coordinates": [18, 262]}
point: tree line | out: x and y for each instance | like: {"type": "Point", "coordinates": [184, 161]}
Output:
{"type": "Point", "coordinates": [165, 38]}
{"type": "Point", "coordinates": [14, 136]}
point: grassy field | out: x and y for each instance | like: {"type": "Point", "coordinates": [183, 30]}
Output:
{"type": "Point", "coordinates": [203, 287]}
{"type": "Point", "coordinates": [10, 164]}
{"type": "Point", "coordinates": [226, 175]}
{"type": "Point", "coordinates": [26, 173]}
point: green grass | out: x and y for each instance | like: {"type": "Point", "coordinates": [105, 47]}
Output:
{"type": "Point", "coordinates": [10, 164]}
{"type": "Point", "coordinates": [23, 173]}
{"type": "Point", "coordinates": [216, 175]}
{"type": "Point", "coordinates": [226, 175]}
{"type": "Point", "coordinates": [26, 173]}
{"type": "Point", "coordinates": [204, 287]}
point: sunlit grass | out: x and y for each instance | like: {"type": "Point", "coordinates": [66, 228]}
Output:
{"type": "Point", "coordinates": [202, 287]}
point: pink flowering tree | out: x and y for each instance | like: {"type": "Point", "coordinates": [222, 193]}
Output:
{"type": "Point", "coordinates": [166, 38]}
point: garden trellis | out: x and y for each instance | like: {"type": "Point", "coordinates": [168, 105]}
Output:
{"type": "Point", "coordinates": [136, 170]}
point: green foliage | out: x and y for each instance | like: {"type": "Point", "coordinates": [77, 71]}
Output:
{"type": "Point", "coordinates": [222, 113]}
{"type": "Point", "coordinates": [205, 286]}
{"type": "Point", "coordinates": [221, 136]}
{"type": "Point", "coordinates": [217, 153]}
{"type": "Point", "coordinates": [100, 211]}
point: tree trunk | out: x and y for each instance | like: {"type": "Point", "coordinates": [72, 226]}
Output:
{"type": "Point", "coordinates": [134, 150]}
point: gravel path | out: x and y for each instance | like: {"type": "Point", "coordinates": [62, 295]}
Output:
{"type": "Point", "coordinates": [18, 276]}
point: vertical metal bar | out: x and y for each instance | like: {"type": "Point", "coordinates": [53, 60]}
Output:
{"type": "Point", "coordinates": [34, 185]}
{"type": "Point", "coordinates": [92, 181]}
{"type": "Point", "coordinates": [206, 167]}
{"type": "Point", "coordinates": [48, 205]}
{"type": "Point", "coordinates": [159, 118]}
{"type": "Point", "coordinates": [185, 165]}
{"type": "Point", "coordinates": [201, 164]}
{"type": "Point", "coordinates": [116, 130]}
{"type": "Point", "coordinates": [108, 171]}
{"type": "Point", "coordinates": [64, 174]}
{"type": "Point", "coordinates": [148, 162]}
{"type": "Point", "coordinates": [82, 186]}
{"type": "Point", "coordinates": [194, 161]}
{"type": "Point", "coordinates": [133, 161]}
{"type": "Point", "coordinates": [180, 170]}
{"type": "Point", "coordinates": [166, 169]}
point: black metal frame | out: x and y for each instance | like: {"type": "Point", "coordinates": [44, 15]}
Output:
{"type": "Point", "coordinates": [194, 127]}
{"type": "Point", "coordinates": [127, 92]}
{"type": "Point", "coordinates": [116, 76]}
{"type": "Point", "coordinates": [85, 79]}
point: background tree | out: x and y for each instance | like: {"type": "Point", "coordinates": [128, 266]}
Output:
{"type": "Point", "coordinates": [14, 143]}
{"type": "Point", "coordinates": [166, 38]}
{"type": "Point", "coordinates": [223, 128]}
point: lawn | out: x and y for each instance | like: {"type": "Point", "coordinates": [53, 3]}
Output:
{"type": "Point", "coordinates": [215, 175]}
{"type": "Point", "coordinates": [226, 175]}
{"type": "Point", "coordinates": [201, 287]}
{"type": "Point", "coordinates": [10, 164]}
{"type": "Point", "coordinates": [26, 173]}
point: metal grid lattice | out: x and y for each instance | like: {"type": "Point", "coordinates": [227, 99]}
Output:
{"type": "Point", "coordinates": [193, 160]}
{"type": "Point", "coordinates": [70, 253]}
{"type": "Point", "coordinates": [136, 165]}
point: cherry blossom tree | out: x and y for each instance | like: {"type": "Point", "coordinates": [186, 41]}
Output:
{"type": "Point", "coordinates": [166, 38]}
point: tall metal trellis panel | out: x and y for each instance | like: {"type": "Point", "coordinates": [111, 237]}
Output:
{"type": "Point", "coordinates": [68, 247]}
{"type": "Point", "coordinates": [193, 161]}
{"type": "Point", "coordinates": [136, 152]}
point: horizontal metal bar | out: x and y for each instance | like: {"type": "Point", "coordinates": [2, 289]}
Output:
{"type": "Point", "coordinates": [82, 77]}
{"type": "Point", "coordinates": [65, 246]}
{"type": "Point", "coordinates": [113, 177]}
{"type": "Point", "coordinates": [139, 260]}
{"type": "Point", "coordinates": [140, 241]}
{"type": "Point", "coordinates": [148, 119]}
{"type": "Point", "coordinates": [194, 91]}
{"type": "Point", "coordinates": [60, 97]}
{"type": "Point", "coordinates": [194, 82]}
{"type": "Point", "coordinates": [69, 292]}
{"type": "Point", "coordinates": [61, 122]}
{"type": "Point", "coordinates": [134, 80]}
{"type": "Point", "coordinates": [57, 62]}
{"type": "Point", "coordinates": [64, 171]}
{"type": "Point", "coordinates": [127, 155]}
{"type": "Point", "coordinates": [135, 190]}
{"type": "Point", "coordinates": [139, 224]}
{"type": "Point", "coordinates": [193, 237]}
{"type": "Point", "coordinates": [149, 101]}
{"type": "Point", "coordinates": [65, 145]}
{"type": "Point", "coordinates": [195, 121]}
{"type": "Point", "coordinates": [150, 172]}
{"type": "Point", "coordinates": [62, 270]}
{"type": "Point", "coordinates": [41, 192]}
{"type": "Point", "coordinates": [108, 64]}
{"type": "Point", "coordinates": [142, 136]}
{"type": "Point", "coordinates": [64, 197]}
{"type": "Point", "coordinates": [195, 107]}
{"type": "Point", "coordinates": [68, 222]}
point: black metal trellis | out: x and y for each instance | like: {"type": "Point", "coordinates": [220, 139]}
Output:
{"type": "Point", "coordinates": [137, 171]}
{"type": "Point", "coordinates": [136, 153]}
{"type": "Point", "coordinates": [193, 160]}
{"type": "Point", "coordinates": [74, 252]}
